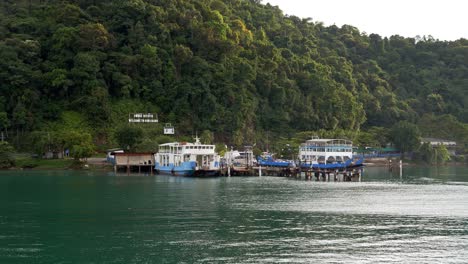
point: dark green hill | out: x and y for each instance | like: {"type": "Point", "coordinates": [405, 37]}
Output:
{"type": "Point", "coordinates": [236, 68]}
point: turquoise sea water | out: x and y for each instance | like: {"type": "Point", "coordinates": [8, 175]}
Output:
{"type": "Point", "coordinates": [97, 217]}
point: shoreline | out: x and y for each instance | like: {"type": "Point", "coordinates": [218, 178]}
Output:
{"type": "Point", "coordinates": [100, 164]}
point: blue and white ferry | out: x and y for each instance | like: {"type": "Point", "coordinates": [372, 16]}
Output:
{"type": "Point", "coordinates": [327, 154]}
{"type": "Point", "coordinates": [187, 159]}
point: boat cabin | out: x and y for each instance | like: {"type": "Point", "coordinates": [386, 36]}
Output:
{"type": "Point", "coordinates": [326, 151]}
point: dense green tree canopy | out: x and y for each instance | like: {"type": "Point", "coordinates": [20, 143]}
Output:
{"type": "Point", "coordinates": [236, 68]}
{"type": "Point", "coordinates": [405, 136]}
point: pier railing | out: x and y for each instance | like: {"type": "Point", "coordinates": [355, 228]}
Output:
{"type": "Point", "coordinates": [377, 155]}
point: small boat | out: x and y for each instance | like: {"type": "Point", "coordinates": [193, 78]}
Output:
{"type": "Point", "coordinates": [267, 160]}
{"type": "Point", "coordinates": [187, 159]}
{"type": "Point", "coordinates": [239, 162]}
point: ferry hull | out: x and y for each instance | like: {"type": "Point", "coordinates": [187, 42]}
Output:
{"type": "Point", "coordinates": [176, 173]}
{"type": "Point", "coordinates": [187, 169]}
{"type": "Point", "coordinates": [206, 173]}
{"type": "Point", "coordinates": [187, 159]}
{"type": "Point", "coordinates": [184, 169]}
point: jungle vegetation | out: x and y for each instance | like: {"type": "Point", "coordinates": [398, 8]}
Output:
{"type": "Point", "coordinates": [237, 71]}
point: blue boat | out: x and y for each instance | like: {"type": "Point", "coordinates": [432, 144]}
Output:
{"type": "Point", "coordinates": [183, 169]}
{"type": "Point", "coordinates": [268, 161]}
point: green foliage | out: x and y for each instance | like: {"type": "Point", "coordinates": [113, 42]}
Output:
{"type": "Point", "coordinates": [6, 158]}
{"type": "Point", "coordinates": [79, 143]}
{"type": "Point", "coordinates": [433, 154]}
{"type": "Point", "coordinates": [445, 127]}
{"type": "Point", "coordinates": [239, 69]}
{"type": "Point", "coordinates": [4, 121]}
{"type": "Point", "coordinates": [221, 149]}
{"type": "Point", "coordinates": [426, 153]}
{"type": "Point", "coordinates": [459, 158]}
{"type": "Point", "coordinates": [82, 151]}
{"type": "Point", "coordinates": [147, 145]}
{"type": "Point", "coordinates": [441, 154]}
{"type": "Point", "coordinates": [128, 137]}
{"type": "Point", "coordinates": [46, 164]}
{"type": "Point", "coordinates": [207, 137]}
{"type": "Point", "coordinates": [405, 136]}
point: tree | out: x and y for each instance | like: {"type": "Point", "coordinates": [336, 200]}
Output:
{"type": "Point", "coordinates": [405, 136]}
{"type": "Point", "coordinates": [426, 153]}
{"type": "Point", "coordinates": [441, 154]}
{"type": "Point", "coordinates": [94, 37]}
{"type": "Point", "coordinates": [79, 143]}
{"type": "Point", "coordinates": [207, 137]}
{"type": "Point", "coordinates": [6, 158]}
{"type": "Point", "coordinates": [128, 137]}
{"type": "Point", "coordinates": [221, 149]}
{"type": "Point", "coordinates": [235, 68]}
{"type": "Point", "coordinates": [147, 145]}
{"type": "Point", "coordinates": [4, 121]}
{"type": "Point", "coordinates": [82, 151]}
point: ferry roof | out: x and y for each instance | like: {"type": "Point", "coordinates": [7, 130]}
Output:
{"type": "Point", "coordinates": [134, 154]}
{"type": "Point", "coordinates": [183, 144]}
{"type": "Point", "coordinates": [329, 141]}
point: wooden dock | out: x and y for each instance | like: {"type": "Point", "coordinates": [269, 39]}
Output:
{"type": "Point", "coordinates": [132, 162]}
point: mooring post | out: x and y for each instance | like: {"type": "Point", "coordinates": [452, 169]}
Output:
{"type": "Point", "coordinates": [401, 169]}
{"type": "Point", "coordinates": [229, 171]}
{"type": "Point", "coordinates": [260, 171]}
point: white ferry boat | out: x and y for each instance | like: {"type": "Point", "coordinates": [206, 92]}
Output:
{"type": "Point", "coordinates": [187, 159]}
{"type": "Point", "coordinates": [326, 153]}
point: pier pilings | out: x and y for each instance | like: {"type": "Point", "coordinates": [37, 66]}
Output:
{"type": "Point", "coordinates": [312, 174]}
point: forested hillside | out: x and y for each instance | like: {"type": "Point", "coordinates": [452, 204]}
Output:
{"type": "Point", "coordinates": [238, 68]}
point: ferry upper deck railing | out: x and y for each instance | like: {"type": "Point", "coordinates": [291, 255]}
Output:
{"type": "Point", "coordinates": [328, 143]}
